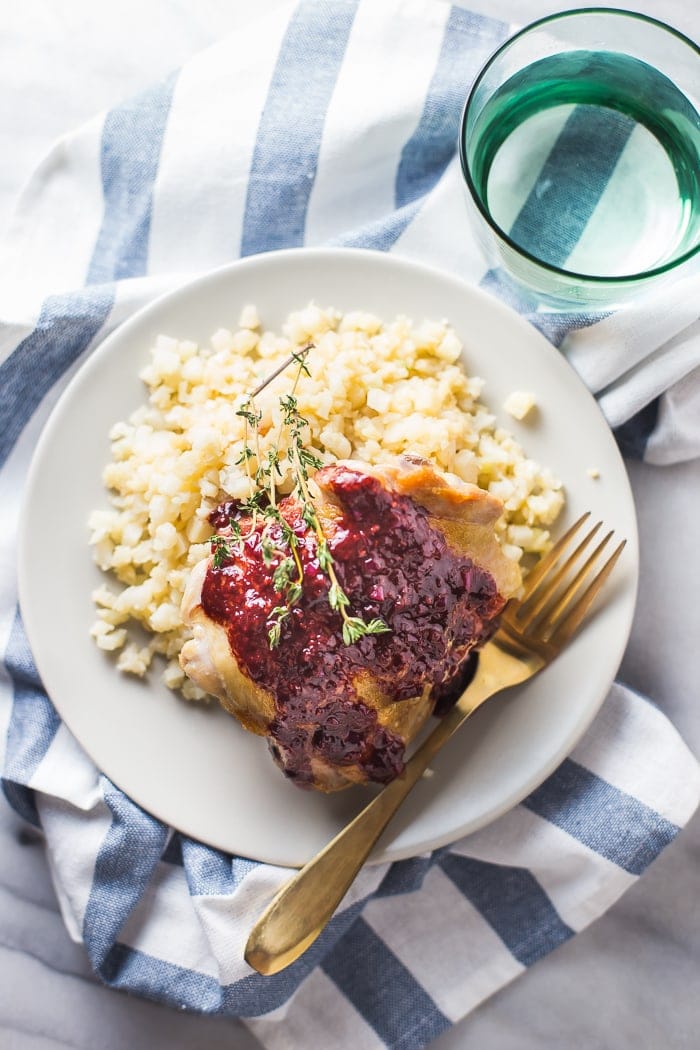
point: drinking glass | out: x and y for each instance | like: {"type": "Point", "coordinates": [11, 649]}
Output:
{"type": "Point", "coordinates": [580, 148]}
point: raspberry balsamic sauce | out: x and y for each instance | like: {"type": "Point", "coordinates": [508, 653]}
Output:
{"type": "Point", "coordinates": [392, 563]}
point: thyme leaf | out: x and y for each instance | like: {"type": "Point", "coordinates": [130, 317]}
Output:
{"type": "Point", "coordinates": [337, 597]}
{"type": "Point", "coordinates": [354, 628]}
{"type": "Point", "coordinates": [268, 548]}
{"type": "Point", "coordinates": [220, 550]}
{"type": "Point", "coordinates": [282, 576]}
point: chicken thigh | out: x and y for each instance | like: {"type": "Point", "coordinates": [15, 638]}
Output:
{"type": "Point", "coordinates": [410, 547]}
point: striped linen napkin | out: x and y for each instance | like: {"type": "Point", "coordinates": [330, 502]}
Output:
{"type": "Point", "coordinates": [325, 123]}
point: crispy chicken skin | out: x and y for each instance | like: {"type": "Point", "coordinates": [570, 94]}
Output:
{"type": "Point", "coordinates": [412, 546]}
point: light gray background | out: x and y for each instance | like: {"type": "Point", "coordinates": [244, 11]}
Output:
{"type": "Point", "coordinates": [629, 982]}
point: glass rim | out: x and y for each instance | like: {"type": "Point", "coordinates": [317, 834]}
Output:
{"type": "Point", "coordinates": [560, 271]}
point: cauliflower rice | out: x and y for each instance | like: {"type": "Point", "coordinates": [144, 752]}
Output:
{"type": "Point", "coordinates": [375, 390]}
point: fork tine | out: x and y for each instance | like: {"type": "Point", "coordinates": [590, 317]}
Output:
{"type": "Point", "coordinates": [554, 613]}
{"type": "Point", "coordinates": [564, 630]}
{"type": "Point", "coordinates": [551, 558]}
{"type": "Point", "coordinates": [538, 600]}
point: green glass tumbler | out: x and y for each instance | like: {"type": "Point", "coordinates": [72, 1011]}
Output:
{"type": "Point", "coordinates": [580, 149]}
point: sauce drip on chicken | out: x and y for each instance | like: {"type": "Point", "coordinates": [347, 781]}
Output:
{"type": "Point", "coordinates": [409, 547]}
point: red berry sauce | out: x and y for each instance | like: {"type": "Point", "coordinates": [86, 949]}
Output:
{"type": "Point", "coordinates": [392, 564]}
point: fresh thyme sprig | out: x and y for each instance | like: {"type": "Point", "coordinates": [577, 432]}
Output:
{"type": "Point", "coordinates": [354, 627]}
{"type": "Point", "coordinates": [278, 539]}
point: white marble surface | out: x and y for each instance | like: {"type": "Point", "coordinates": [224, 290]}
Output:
{"type": "Point", "coordinates": [629, 982]}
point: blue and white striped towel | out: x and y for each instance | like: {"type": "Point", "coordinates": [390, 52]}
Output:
{"type": "Point", "coordinates": [326, 123]}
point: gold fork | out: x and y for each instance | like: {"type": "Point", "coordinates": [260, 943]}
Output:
{"type": "Point", "coordinates": [533, 631]}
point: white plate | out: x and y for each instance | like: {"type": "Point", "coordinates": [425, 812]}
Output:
{"type": "Point", "coordinates": [192, 765]}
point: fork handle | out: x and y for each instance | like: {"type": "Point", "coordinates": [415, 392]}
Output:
{"type": "Point", "coordinates": [303, 906]}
